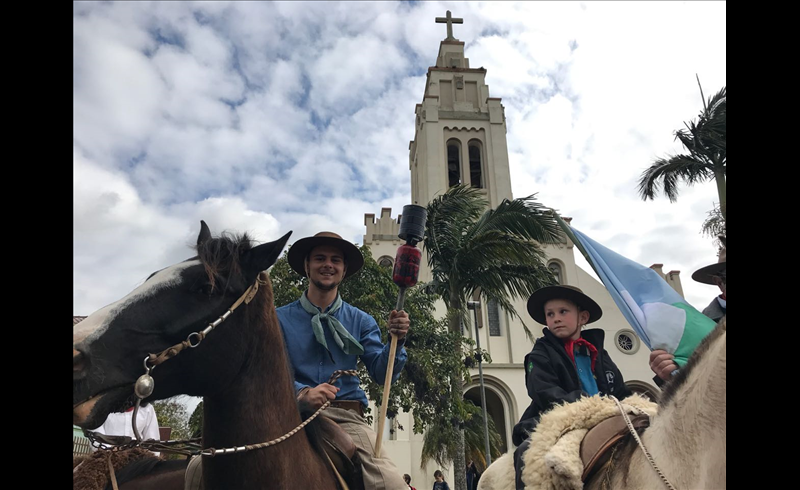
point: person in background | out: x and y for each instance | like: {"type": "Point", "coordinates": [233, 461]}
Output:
{"type": "Point", "coordinates": [661, 361]}
{"type": "Point", "coordinates": [473, 475]}
{"type": "Point", "coordinates": [121, 424]}
{"type": "Point", "coordinates": [407, 479]}
{"type": "Point", "coordinates": [439, 484]}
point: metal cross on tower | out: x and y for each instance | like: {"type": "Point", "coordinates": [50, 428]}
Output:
{"type": "Point", "coordinates": [449, 20]}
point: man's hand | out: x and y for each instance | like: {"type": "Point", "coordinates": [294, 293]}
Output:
{"type": "Point", "coordinates": [398, 323]}
{"type": "Point", "coordinates": [661, 362]}
{"type": "Point", "coordinates": [317, 396]}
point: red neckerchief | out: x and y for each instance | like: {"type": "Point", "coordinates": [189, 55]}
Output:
{"type": "Point", "coordinates": [570, 345]}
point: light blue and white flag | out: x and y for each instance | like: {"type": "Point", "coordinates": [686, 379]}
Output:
{"type": "Point", "coordinates": [659, 315]}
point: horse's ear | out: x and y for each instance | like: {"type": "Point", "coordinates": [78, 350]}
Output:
{"type": "Point", "coordinates": [204, 235]}
{"type": "Point", "coordinates": [262, 257]}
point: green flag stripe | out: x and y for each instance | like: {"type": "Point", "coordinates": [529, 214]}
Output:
{"type": "Point", "coordinates": [697, 327]}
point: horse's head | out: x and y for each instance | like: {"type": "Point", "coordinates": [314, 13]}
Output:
{"type": "Point", "coordinates": [110, 346]}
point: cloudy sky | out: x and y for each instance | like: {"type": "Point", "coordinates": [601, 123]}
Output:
{"type": "Point", "coordinates": [270, 117]}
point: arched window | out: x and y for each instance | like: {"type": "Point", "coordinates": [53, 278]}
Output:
{"type": "Point", "coordinates": [493, 312]}
{"type": "Point", "coordinates": [555, 268]}
{"type": "Point", "coordinates": [453, 163]}
{"type": "Point", "coordinates": [644, 389]}
{"type": "Point", "coordinates": [386, 262]}
{"type": "Point", "coordinates": [475, 168]}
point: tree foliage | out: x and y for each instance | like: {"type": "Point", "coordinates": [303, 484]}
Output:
{"type": "Point", "coordinates": [172, 413]}
{"type": "Point", "coordinates": [705, 158]}
{"type": "Point", "coordinates": [714, 225]}
{"type": "Point", "coordinates": [438, 442]}
{"type": "Point", "coordinates": [196, 421]}
{"type": "Point", "coordinates": [495, 252]}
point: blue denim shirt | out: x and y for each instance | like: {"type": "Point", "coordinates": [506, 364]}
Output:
{"type": "Point", "coordinates": [311, 362]}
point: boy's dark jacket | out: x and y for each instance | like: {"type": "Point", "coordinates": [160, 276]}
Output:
{"type": "Point", "coordinates": [552, 372]}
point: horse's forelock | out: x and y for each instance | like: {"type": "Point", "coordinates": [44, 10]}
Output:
{"type": "Point", "coordinates": [220, 255]}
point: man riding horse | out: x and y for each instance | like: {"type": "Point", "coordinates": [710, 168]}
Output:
{"type": "Point", "coordinates": [324, 334]}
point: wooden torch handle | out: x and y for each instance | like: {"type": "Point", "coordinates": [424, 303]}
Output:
{"type": "Point", "coordinates": [387, 385]}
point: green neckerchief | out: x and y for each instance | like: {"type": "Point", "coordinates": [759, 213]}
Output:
{"type": "Point", "coordinates": [343, 339]}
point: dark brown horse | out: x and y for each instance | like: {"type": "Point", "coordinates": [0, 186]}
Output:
{"type": "Point", "coordinates": [240, 369]}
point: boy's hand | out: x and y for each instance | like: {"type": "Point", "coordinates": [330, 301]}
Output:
{"type": "Point", "coordinates": [661, 363]}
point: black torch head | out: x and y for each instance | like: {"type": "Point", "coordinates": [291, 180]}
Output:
{"type": "Point", "coordinates": [412, 223]}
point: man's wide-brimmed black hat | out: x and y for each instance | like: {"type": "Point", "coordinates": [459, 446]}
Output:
{"type": "Point", "coordinates": [541, 296]}
{"type": "Point", "coordinates": [301, 248]}
{"type": "Point", "coordinates": [706, 274]}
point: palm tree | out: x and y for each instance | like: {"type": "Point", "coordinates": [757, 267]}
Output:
{"type": "Point", "coordinates": [705, 142]}
{"type": "Point", "coordinates": [493, 251]}
{"type": "Point", "coordinates": [440, 436]}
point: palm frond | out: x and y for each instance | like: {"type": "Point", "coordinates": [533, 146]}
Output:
{"type": "Point", "coordinates": [497, 251]}
{"type": "Point", "coordinates": [705, 140]}
{"type": "Point", "coordinates": [667, 173]}
{"type": "Point", "coordinates": [475, 447]}
{"type": "Point", "coordinates": [439, 437]}
{"type": "Point", "coordinates": [524, 217]}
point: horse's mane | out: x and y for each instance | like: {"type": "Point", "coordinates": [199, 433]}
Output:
{"type": "Point", "coordinates": [674, 384]}
{"type": "Point", "coordinates": [220, 255]}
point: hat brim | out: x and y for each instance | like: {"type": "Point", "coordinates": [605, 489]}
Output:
{"type": "Point", "coordinates": [299, 251]}
{"type": "Point", "coordinates": [705, 275]}
{"type": "Point", "coordinates": [541, 296]}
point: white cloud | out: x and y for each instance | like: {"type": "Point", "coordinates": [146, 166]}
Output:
{"type": "Point", "coordinates": [353, 70]}
{"type": "Point", "coordinates": [117, 92]}
{"type": "Point", "coordinates": [275, 116]}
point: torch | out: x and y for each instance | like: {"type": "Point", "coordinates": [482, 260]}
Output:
{"type": "Point", "coordinates": [405, 275]}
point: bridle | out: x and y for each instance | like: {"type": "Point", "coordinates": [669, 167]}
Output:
{"type": "Point", "coordinates": [145, 385]}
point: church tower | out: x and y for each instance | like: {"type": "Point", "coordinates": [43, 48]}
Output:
{"type": "Point", "coordinates": [460, 132]}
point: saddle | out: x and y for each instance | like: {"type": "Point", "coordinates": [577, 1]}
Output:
{"type": "Point", "coordinates": [341, 451]}
{"type": "Point", "coordinates": [596, 444]}
{"type": "Point", "coordinates": [559, 451]}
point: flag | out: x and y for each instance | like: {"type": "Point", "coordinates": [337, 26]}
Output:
{"type": "Point", "coordinates": [658, 314]}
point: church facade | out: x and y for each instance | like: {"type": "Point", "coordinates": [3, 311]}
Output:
{"type": "Point", "coordinates": [460, 138]}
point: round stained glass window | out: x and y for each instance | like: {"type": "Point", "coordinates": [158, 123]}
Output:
{"type": "Point", "coordinates": [627, 341]}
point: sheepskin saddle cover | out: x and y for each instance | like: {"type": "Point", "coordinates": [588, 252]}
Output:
{"type": "Point", "coordinates": [553, 460]}
{"type": "Point", "coordinates": [92, 473]}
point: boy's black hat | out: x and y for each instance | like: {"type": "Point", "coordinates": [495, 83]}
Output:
{"type": "Point", "coordinates": [541, 296]}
